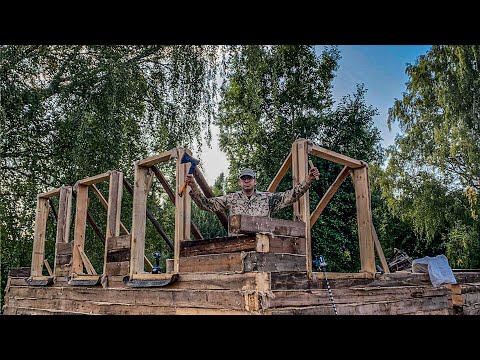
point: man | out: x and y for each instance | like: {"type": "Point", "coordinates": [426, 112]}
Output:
{"type": "Point", "coordinates": [249, 201]}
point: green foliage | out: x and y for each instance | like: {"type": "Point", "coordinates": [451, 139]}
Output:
{"type": "Point", "coordinates": [276, 94]}
{"type": "Point", "coordinates": [463, 246]}
{"type": "Point", "coordinates": [67, 112]}
{"type": "Point", "coordinates": [433, 174]}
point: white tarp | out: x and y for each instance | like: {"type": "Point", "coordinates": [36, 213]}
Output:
{"type": "Point", "coordinates": [437, 267]}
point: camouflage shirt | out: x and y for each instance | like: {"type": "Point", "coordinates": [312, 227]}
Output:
{"type": "Point", "coordinates": [259, 204]}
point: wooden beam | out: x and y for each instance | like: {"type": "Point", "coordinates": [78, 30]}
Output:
{"type": "Point", "coordinates": [38, 251]}
{"type": "Point", "coordinates": [63, 221]}
{"type": "Point", "coordinates": [247, 224]}
{"type": "Point", "coordinates": [182, 210]}
{"type": "Point", "coordinates": [281, 173]}
{"type": "Point", "coordinates": [364, 219]}
{"type": "Point", "coordinates": [49, 269]}
{"type": "Point", "coordinates": [153, 160]}
{"type": "Point", "coordinates": [329, 194]}
{"type": "Point", "coordinates": [196, 232]}
{"type": "Point", "coordinates": [381, 256]}
{"type": "Point", "coordinates": [334, 156]}
{"type": "Point", "coordinates": [102, 200]}
{"type": "Point", "coordinates": [49, 194]}
{"type": "Point", "coordinates": [115, 191]}
{"type": "Point", "coordinates": [302, 163]}
{"type": "Point", "coordinates": [140, 192]}
{"type": "Point", "coordinates": [94, 179]}
{"type": "Point", "coordinates": [202, 183]}
{"type": "Point", "coordinates": [295, 179]}
{"type": "Point", "coordinates": [152, 219]}
{"type": "Point", "coordinates": [86, 262]}
{"type": "Point", "coordinates": [80, 226]}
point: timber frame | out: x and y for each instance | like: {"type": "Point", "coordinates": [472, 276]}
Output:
{"type": "Point", "coordinates": [358, 170]}
{"type": "Point", "coordinates": [134, 241]}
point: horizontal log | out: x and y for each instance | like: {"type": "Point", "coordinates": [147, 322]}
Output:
{"type": "Point", "coordinates": [281, 244]}
{"type": "Point", "coordinates": [218, 245]}
{"type": "Point", "coordinates": [118, 255]}
{"type": "Point", "coordinates": [299, 280]}
{"type": "Point", "coordinates": [212, 263]}
{"type": "Point", "coordinates": [118, 242]}
{"type": "Point", "coordinates": [19, 272]}
{"type": "Point", "coordinates": [154, 297]}
{"type": "Point", "coordinates": [64, 248]}
{"type": "Point", "coordinates": [117, 268]}
{"type": "Point", "coordinates": [63, 259]}
{"type": "Point", "coordinates": [297, 298]}
{"type": "Point", "coordinates": [245, 224]}
{"type": "Point", "coordinates": [271, 262]}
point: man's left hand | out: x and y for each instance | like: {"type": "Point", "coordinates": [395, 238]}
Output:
{"type": "Point", "coordinates": [313, 173]}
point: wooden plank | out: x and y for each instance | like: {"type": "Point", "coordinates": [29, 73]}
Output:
{"type": "Point", "coordinates": [301, 281]}
{"type": "Point", "coordinates": [49, 269]}
{"type": "Point", "coordinates": [86, 262]}
{"type": "Point", "coordinates": [93, 179]}
{"type": "Point", "coordinates": [329, 194]}
{"type": "Point", "coordinates": [295, 179]}
{"type": "Point", "coordinates": [118, 255]}
{"type": "Point", "coordinates": [102, 200]}
{"type": "Point", "coordinates": [63, 259]}
{"type": "Point", "coordinates": [49, 194]}
{"type": "Point", "coordinates": [351, 296]}
{"type": "Point", "coordinates": [218, 245]}
{"type": "Point", "coordinates": [304, 201]}
{"type": "Point", "coordinates": [20, 271]}
{"type": "Point", "coordinates": [63, 224]}
{"type": "Point", "coordinates": [281, 173]}
{"type": "Point", "coordinates": [65, 248]}
{"type": "Point", "coordinates": [381, 256]}
{"type": "Point", "coordinates": [118, 242]}
{"type": "Point", "coordinates": [115, 192]}
{"type": "Point", "coordinates": [134, 297]}
{"type": "Point", "coordinates": [38, 251]}
{"type": "Point", "coordinates": [117, 269]}
{"type": "Point", "coordinates": [271, 262]}
{"type": "Point", "coordinates": [246, 224]}
{"type": "Point", "coordinates": [80, 226]}
{"type": "Point", "coordinates": [140, 192]}
{"type": "Point", "coordinates": [364, 219]}
{"type": "Point", "coordinates": [212, 263]}
{"type": "Point", "coordinates": [162, 157]}
{"type": "Point", "coordinates": [63, 216]}
{"type": "Point", "coordinates": [334, 156]}
{"type": "Point", "coordinates": [280, 244]}
{"type": "Point", "coordinates": [182, 209]}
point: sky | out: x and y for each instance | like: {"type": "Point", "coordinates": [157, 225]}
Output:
{"type": "Point", "coordinates": [381, 68]}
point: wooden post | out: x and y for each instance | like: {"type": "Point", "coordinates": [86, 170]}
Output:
{"type": "Point", "coordinates": [295, 178]}
{"type": "Point", "coordinates": [364, 219]}
{"type": "Point", "coordinates": [182, 210]}
{"type": "Point", "coordinates": [115, 191]}
{"type": "Point", "coordinates": [63, 219]}
{"type": "Point", "coordinates": [80, 226]}
{"type": "Point", "coordinates": [142, 182]}
{"type": "Point", "coordinates": [302, 163]}
{"type": "Point", "coordinates": [38, 251]}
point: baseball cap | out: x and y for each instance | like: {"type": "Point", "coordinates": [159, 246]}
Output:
{"type": "Point", "coordinates": [247, 172]}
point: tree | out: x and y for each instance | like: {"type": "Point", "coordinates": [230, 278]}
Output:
{"type": "Point", "coordinates": [436, 161]}
{"type": "Point", "coordinates": [67, 112]}
{"type": "Point", "coordinates": [272, 96]}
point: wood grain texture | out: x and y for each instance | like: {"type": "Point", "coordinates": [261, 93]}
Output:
{"type": "Point", "coordinates": [246, 224]}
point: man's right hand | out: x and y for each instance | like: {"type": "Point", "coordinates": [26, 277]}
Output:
{"type": "Point", "coordinates": [191, 182]}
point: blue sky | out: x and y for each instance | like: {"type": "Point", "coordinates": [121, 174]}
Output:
{"type": "Point", "coordinates": [381, 68]}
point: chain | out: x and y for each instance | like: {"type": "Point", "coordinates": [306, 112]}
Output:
{"type": "Point", "coordinates": [320, 261]}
